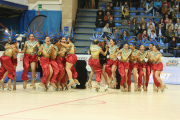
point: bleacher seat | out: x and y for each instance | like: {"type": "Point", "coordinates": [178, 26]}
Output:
{"type": "Point", "coordinates": [178, 44]}
{"type": "Point", "coordinates": [147, 19]}
{"type": "Point", "coordinates": [98, 29]}
{"type": "Point", "coordinates": [149, 14]}
{"type": "Point", "coordinates": [116, 18]}
{"type": "Point", "coordinates": [141, 13]}
{"type": "Point", "coordinates": [132, 8]}
{"type": "Point", "coordinates": [117, 24]}
{"type": "Point", "coordinates": [132, 13]}
{"type": "Point", "coordinates": [103, 7]}
{"type": "Point", "coordinates": [103, 4]}
{"type": "Point", "coordinates": [117, 13]}
{"type": "Point", "coordinates": [117, 8]}
{"type": "Point", "coordinates": [139, 19]}
{"type": "Point", "coordinates": [167, 44]}
{"type": "Point", "coordinates": [141, 9]}
{"type": "Point", "coordinates": [124, 29]}
{"type": "Point", "coordinates": [157, 20]}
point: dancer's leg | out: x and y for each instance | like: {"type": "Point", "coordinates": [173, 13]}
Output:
{"type": "Point", "coordinates": [33, 69]}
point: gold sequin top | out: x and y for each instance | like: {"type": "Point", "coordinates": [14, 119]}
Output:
{"type": "Point", "coordinates": [46, 50]}
{"type": "Point", "coordinates": [31, 47]}
{"type": "Point", "coordinates": [125, 54]}
{"type": "Point", "coordinates": [112, 50]}
{"type": "Point", "coordinates": [142, 55]}
{"type": "Point", "coordinates": [155, 54]}
{"type": "Point", "coordinates": [56, 50]}
{"type": "Point", "coordinates": [149, 57]}
{"type": "Point", "coordinates": [71, 49]}
{"type": "Point", "coordinates": [95, 49]}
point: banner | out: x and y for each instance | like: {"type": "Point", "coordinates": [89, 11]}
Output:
{"type": "Point", "coordinates": [171, 62]}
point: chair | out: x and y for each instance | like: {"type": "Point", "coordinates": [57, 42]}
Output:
{"type": "Point", "coordinates": [141, 9]}
{"type": "Point", "coordinates": [124, 29]}
{"type": "Point", "coordinates": [117, 24]}
{"type": "Point", "coordinates": [117, 13]}
{"type": "Point", "coordinates": [103, 7]}
{"type": "Point", "coordinates": [103, 4]}
{"type": "Point", "coordinates": [178, 44]}
{"type": "Point", "coordinates": [150, 14]}
{"type": "Point", "coordinates": [141, 13]}
{"type": "Point", "coordinates": [139, 19]}
{"type": "Point", "coordinates": [132, 8]}
{"type": "Point", "coordinates": [157, 20]}
{"type": "Point", "coordinates": [117, 8]}
{"type": "Point", "coordinates": [147, 19]}
{"type": "Point", "coordinates": [98, 29]}
{"type": "Point", "coordinates": [167, 44]}
{"type": "Point", "coordinates": [132, 13]}
{"type": "Point", "coordinates": [117, 19]}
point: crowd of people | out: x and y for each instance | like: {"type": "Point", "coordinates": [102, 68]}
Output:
{"type": "Point", "coordinates": [164, 31]}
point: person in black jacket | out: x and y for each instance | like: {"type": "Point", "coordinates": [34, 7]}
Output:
{"type": "Point", "coordinates": [173, 49]}
{"type": "Point", "coordinates": [100, 9]}
{"type": "Point", "coordinates": [160, 32]}
{"type": "Point", "coordinates": [99, 20]}
{"type": "Point", "coordinates": [111, 24]}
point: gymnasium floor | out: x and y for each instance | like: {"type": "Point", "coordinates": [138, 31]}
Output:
{"type": "Point", "coordinates": [77, 104]}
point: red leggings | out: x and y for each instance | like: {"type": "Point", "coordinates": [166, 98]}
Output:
{"type": "Point", "coordinates": [6, 64]}
{"type": "Point", "coordinates": [95, 63]}
{"type": "Point", "coordinates": [61, 64]}
{"type": "Point", "coordinates": [140, 72]}
{"type": "Point", "coordinates": [131, 66]}
{"type": "Point", "coordinates": [121, 68]}
{"type": "Point", "coordinates": [109, 64]}
{"type": "Point", "coordinates": [157, 67]}
{"type": "Point", "coordinates": [44, 62]}
{"type": "Point", "coordinates": [55, 70]}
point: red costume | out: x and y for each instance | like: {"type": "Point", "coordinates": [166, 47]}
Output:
{"type": "Point", "coordinates": [55, 68]}
{"type": "Point", "coordinates": [61, 64]}
{"type": "Point", "coordinates": [121, 68]}
{"type": "Point", "coordinates": [157, 67]}
{"type": "Point", "coordinates": [140, 72]}
{"type": "Point", "coordinates": [14, 61]}
{"type": "Point", "coordinates": [6, 64]}
{"type": "Point", "coordinates": [109, 64]}
{"type": "Point", "coordinates": [44, 62]}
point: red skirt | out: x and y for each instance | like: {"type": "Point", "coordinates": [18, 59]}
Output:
{"type": "Point", "coordinates": [71, 58]}
{"type": "Point", "coordinates": [61, 64]}
{"type": "Point", "coordinates": [158, 67]}
{"type": "Point", "coordinates": [30, 58]}
{"type": "Point", "coordinates": [14, 61]}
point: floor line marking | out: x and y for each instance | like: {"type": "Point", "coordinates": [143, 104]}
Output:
{"type": "Point", "coordinates": [53, 105]}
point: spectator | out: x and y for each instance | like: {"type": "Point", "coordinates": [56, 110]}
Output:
{"type": "Point", "coordinates": [108, 9]}
{"type": "Point", "coordinates": [165, 9]}
{"type": "Point", "coordinates": [100, 9]}
{"type": "Point", "coordinates": [161, 21]}
{"type": "Point", "coordinates": [171, 3]}
{"type": "Point", "coordinates": [173, 48]}
{"type": "Point", "coordinates": [111, 23]}
{"type": "Point", "coordinates": [166, 19]}
{"type": "Point", "coordinates": [143, 35]}
{"type": "Point", "coordinates": [99, 20]}
{"type": "Point", "coordinates": [176, 4]}
{"type": "Point", "coordinates": [172, 8]}
{"type": "Point", "coordinates": [175, 15]}
{"type": "Point", "coordinates": [125, 5]}
{"type": "Point", "coordinates": [160, 32]}
{"type": "Point", "coordinates": [165, 2]}
{"type": "Point", "coordinates": [107, 17]}
{"type": "Point", "coordinates": [157, 6]}
{"type": "Point", "coordinates": [177, 35]}
{"type": "Point", "coordinates": [142, 21]}
{"type": "Point", "coordinates": [106, 30]}
{"type": "Point", "coordinates": [150, 23]}
{"type": "Point", "coordinates": [148, 4]}
{"type": "Point", "coordinates": [169, 33]}
{"type": "Point", "coordinates": [177, 24]}
{"type": "Point", "coordinates": [125, 35]}
{"type": "Point", "coordinates": [149, 30]}
{"type": "Point", "coordinates": [169, 14]}
{"type": "Point", "coordinates": [170, 23]}
{"type": "Point", "coordinates": [153, 35]}
{"type": "Point", "coordinates": [133, 26]}
{"type": "Point", "coordinates": [125, 13]}
{"type": "Point", "coordinates": [111, 6]}
{"type": "Point", "coordinates": [141, 29]}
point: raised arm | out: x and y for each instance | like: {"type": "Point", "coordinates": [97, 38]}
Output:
{"type": "Point", "coordinates": [40, 50]}
{"type": "Point", "coordinates": [66, 45]}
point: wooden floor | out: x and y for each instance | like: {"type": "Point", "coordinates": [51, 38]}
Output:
{"type": "Point", "coordinates": [77, 104]}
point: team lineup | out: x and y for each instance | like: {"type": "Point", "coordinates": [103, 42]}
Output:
{"type": "Point", "coordinates": [58, 59]}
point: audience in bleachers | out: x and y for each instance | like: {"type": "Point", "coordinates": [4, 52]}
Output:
{"type": "Point", "coordinates": [133, 26]}
{"type": "Point", "coordinates": [177, 35]}
{"type": "Point", "coordinates": [161, 21]}
{"type": "Point", "coordinates": [112, 24]}
{"type": "Point", "coordinates": [170, 24]}
{"type": "Point", "coordinates": [152, 35]}
{"type": "Point", "coordinates": [177, 24]}
{"type": "Point", "coordinates": [125, 5]}
{"type": "Point", "coordinates": [151, 23]}
{"type": "Point", "coordinates": [148, 5]}
{"type": "Point", "coordinates": [100, 9]}
{"type": "Point", "coordinates": [157, 6]}
{"type": "Point", "coordinates": [99, 20]}
{"type": "Point", "coordinates": [124, 35]}
{"type": "Point", "coordinates": [176, 3]}
{"type": "Point", "coordinates": [106, 30]}
{"type": "Point", "coordinates": [160, 32]}
{"type": "Point", "coordinates": [175, 14]}
{"type": "Point", "coordinates": [150, 30]}
{"type": "Point", "coordinates": [165, 2]}
{"type": "Point", "coordinates": [173, 48]}
{"type": "Point", "coordinates": [166, 19]}
{"type": "Point", "coordinates": [142, 21]}
{"type": "Point", "coordinates": [125, 14]}
{"type": "Point", "coordinates": [108, 9]}
{"type": "Point", "coordinates": [141, 29]}
{"type": "Point", "coordinates": [165, 9]}
{"type": "Point", "coordinates": [171, 4]}
{"type": "Point", "coordinates": [107, 16]}
{"type": "Point", "coordinates": [169, 33]}
{"type": "Point", "coordinates": [143, 35]}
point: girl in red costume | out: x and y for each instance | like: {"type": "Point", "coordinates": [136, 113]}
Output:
{"type": "Point", "coordinates": [71, 60]}
{"type": "Point", "coordinates": [158, 67]}
{"type": "Point", "coordinates": [141, 66]}
{"type": "Point", "coordinates": [45, 51]}
{"type": "Point", "coordinates": [6, 59]}
{"type": "Point", "coordinates": [94, 62]}
{"type": "Point", "coordinates": [14, 61]}
{"type": "Point", "coordinates": [123, 65]}
{"type": "Point", "coordinates": [61, 61]}
{"type": "Point", "coordinates": [112, 61]}
{"type": "Point", "coordinates": [30, 56]}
